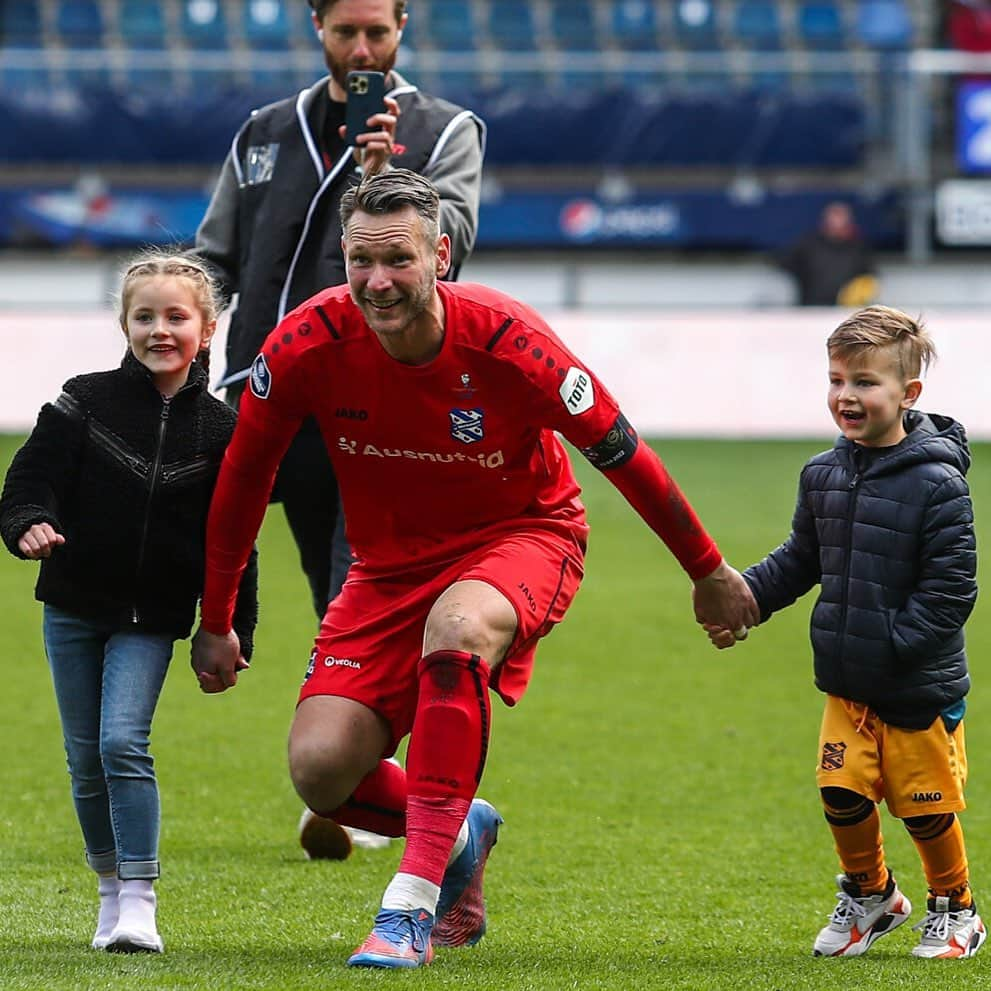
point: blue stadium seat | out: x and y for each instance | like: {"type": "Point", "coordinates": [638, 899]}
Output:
{"type": "Point", "coordinates": [80, 23]}
{"type": "Point", "coordinates": [633, 24]}
{"type": "Point", "coordinates": [820, 26]}
{"type": "Point", "coordinates": [204, 24]}
{"type": "Point", "coordinates": [20, 24]}
{"type": "Point", "coordinates": [143, 76]}
{"type": "Point", "coordinates": [757, 24]}
{"type": "Point", "coordinates": [884, 24]}
{"type": "Point", "coordinates": [25, 78]}
{"type": "Point", "coordinates": [457, 85]}
{"type": "Point", "coordinates": [142, 24]}
{"type": "Point", "coordinates": [450, 25]}
{"type": "Point", "coordinates": [511, 25]}
{"type": "Point", "coordinates": [695, 24]}
{"type": "Point", "coordinates": [266, 25]}
{"type": "Point", "coordinates": [274, 82]}
{"type": "Point", "coordinates": [573, 25]}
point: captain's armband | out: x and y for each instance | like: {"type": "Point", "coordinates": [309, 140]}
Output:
{"type": "Point", "coordinates": [616, 448]}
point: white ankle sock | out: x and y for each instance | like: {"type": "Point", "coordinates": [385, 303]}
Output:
{"type": "Point", "coordinates": [407, 892]}
{"type": "Point", "coordinates": [136, 923]}
{"type": "Point", "coordinates": [460, 843]}
{"type": "Point", "coordinates": [109, 889]}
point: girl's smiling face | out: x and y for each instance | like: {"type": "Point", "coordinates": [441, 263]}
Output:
{"type": "Point", "coordinates": [166, 329]}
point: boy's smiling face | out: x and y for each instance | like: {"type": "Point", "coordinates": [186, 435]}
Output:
{"type": "Point", "coordinates": [868, 396]}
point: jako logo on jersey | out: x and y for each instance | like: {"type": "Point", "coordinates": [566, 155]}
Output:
{"type": "Point", "coordinates": [346, 413]}
{"type": "Point", "coordinates": [261, 377]}
{"type": "Point", "coordinates": [927, 796]}
{"type": "Point", "coordinates": [494, 460]}
{"type": "Point", "coordinates": [466, 425]}
{"type": "Point", "coordinates": [577, 391]}
{"type": "Point", "coordinates": [311, 665]}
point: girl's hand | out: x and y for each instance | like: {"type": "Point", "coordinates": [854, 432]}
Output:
{"type": "Point", "coordinates": [39, 540]}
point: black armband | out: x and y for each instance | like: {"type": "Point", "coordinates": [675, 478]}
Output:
{"type": "Point", "coordinates": [616, 448]}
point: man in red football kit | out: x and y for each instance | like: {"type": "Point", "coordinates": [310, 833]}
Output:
{"type": "Point", "coordinates": [439, 404]}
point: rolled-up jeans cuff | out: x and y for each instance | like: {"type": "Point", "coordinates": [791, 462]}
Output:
{"type": "Point", "coordinates": [138, 870]}
{"type": "Point", "coordinates": [103, 863]}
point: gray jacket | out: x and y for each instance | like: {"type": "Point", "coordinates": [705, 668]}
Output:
{"type": "Point", "coordinates": [271, 231]}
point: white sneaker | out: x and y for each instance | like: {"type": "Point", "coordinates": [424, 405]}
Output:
{"type": "Point", "coordinates": [109, 889]}
{"type": "Point", "coordinates": [949, 930]}
{"type": "Point", "coordinates": [858, 920]}
{"type": "Point", "coordinates": [365, 839]}
{"type": "Point", "coordinates": [136, 931]}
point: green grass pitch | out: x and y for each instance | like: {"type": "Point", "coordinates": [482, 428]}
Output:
{"type": "Point", "coordinates": [662, 823]}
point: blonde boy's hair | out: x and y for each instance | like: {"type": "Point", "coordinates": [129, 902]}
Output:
{"type": "Point", "coordinates": [877, 328]}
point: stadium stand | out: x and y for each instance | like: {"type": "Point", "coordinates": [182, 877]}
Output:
{"type": "Point", "coordinates": [204, 25]}
{"type": "Point", "coordinates": [691, 92]}
{"type": "Point", "coordinates": [20, 23]}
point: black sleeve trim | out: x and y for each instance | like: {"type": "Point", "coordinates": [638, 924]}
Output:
{"type": "Point", "coordinates": [494, 340]}
{"type": "Point", "coordinates": [616, 448]}
{"type": "Point", "coordinates": [331, 329]}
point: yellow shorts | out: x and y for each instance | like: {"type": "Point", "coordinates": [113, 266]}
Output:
{"type": "Point", "coordinates": [916, 772]}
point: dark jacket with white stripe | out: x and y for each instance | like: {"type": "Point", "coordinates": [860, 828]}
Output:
{"type": "Point", "coordinates": [126, 477]}
{"type": "Point", "coordinates": [891, 542]}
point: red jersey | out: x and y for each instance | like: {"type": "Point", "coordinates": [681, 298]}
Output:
{"type": "Point", "coordinates": [433, 460]}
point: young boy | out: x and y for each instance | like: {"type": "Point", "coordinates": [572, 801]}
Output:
{"type": "Point", "coordinates": [884, 524]}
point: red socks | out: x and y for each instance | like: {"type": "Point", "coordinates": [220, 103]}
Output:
{"type": "Point", "coordinates": [378, 803]}
{"type": "Point", "coordinates": [446, 757]}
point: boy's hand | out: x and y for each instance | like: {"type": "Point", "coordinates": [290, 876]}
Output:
{"type": "Point", "coordinates": [39, 540]}
{"type": "Point", "coordinates": [722, 638]}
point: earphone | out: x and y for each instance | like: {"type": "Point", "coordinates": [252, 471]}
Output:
{"type": "Point", "coordinates": [320, 33]}
{"type": "Point", "coordinates": [399, 35]}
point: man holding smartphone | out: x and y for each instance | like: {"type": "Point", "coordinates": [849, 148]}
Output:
{"type": "Point", "coordinates": [272, 235]}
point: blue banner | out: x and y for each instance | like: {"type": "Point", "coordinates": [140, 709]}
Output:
{"type": "Point", "coordinates": [745, 219]}
{"type": "Point", "coordinates": [974, 127]}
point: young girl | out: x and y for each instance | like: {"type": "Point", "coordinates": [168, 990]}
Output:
{"type": "Point", "coordinates": [111, 492]}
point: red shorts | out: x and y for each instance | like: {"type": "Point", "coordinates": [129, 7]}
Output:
{"type": "Point", "coordinates": [371, 639]}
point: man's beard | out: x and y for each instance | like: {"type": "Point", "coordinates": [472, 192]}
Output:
{"type": "Point", "coordinates": [339, 70]}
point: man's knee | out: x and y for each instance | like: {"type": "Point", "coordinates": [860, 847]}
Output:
{"type": "Point", "coordinates": [472, 617]}
{"type": "Point", "coordinates": [331, 751]}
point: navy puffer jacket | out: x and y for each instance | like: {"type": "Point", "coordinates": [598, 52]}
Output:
{"type": "Point", "coordinates": [893, 548]}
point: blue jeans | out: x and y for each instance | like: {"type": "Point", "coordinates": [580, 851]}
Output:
{"type": "Point", "coordinates": [107, 684]}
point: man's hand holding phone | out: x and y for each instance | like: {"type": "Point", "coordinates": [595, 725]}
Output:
{"type": "Point", "coordinates": [370, 120]}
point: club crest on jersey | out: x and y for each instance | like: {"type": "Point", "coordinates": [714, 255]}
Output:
{"type": "Point", "coordinates": [261, 377]}
{"type": "Point", "coordinates": [466, 425]}
{"type": "Point", "coordinates": [577, 391]}
{"type": "Point", "coordinates": [833, 755]}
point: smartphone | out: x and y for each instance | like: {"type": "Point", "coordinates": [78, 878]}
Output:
{"type": "Point", "coordinates": [366, 96]}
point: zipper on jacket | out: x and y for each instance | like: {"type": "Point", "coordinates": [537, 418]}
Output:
{"type": "Point", "coordinates": [156, 466]}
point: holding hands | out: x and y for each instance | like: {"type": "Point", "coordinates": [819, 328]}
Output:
{"type": "Point", "coordinates": [216, 660]}
{"type": "Point", "coordinates": [724, 606]}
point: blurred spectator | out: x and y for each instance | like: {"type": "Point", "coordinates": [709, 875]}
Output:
{"type": "Point", "coordinates": [968, 25]}
{"type": "Point", "coordinates": [833, 265]}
